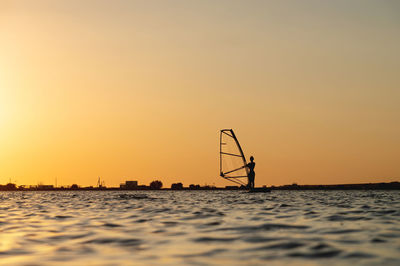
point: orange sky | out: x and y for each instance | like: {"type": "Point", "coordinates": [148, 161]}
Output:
{"type": "Point", "coordinates": [138, 90]}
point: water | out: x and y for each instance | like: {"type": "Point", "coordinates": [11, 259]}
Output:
{"type": "Point", "coordinates": [200, 228]}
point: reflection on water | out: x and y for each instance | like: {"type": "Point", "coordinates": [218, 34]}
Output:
{"type": "Point", "coordinates": [200, 227]}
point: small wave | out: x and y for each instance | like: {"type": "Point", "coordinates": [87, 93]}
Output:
{"type": "Point", "coordinates": [286, 245]}
{"type": "Point", "coordinates": [264, 227]}
{"type": "Point", "coordinates": [321, 246]}
{"type": "Point", "coordinates": [282, 226]}
{"type": "Point", "coordinates": [119, 241]}
{"type": "Point", "coordinates": [15, 252]}
{"type": "Point", "coordinates": [204, 254]}
{"type": "Point", "coordinates": [359, 255]}
{"type": "Point", "coordinates": [134, 196]}
{"type": "Point", "coordinates": [170, 223]}
{"type": "Point", "coordinates": [384, 212]}
{"type": "Point", "coordinates": [317, 255]}
{"type": "Point", "coordinates": [310, 213]}
{"type": "Point", "coordinates": [336, 217]}
{"type": "Point", "coordinates": [67, 236]}
{"type": "Point", "coordinates": [258, 239]}
{"type": "Point", "coordinates": [158, 231]}
{"type": "Point", "coordinates": [389, 235]}
{"type": "Point", "coordinates": [215, 239]}
{"type": "Point", "coordinates": [343, 231]}
{"type": "Point", "coordinates": [268, 208]}
{"type": "Point", "coordinates": [200, 216]}
{"type": "Point", "coordinates": [142, 220]}
{"type": "Point", "coordinates": [348, 241]}
{"type": "Point", "coordinates": [111, 225]}
{"type": "Point", "coordinates": [284, 216]}
{"type": "Point", "coordinates": [63, 216]}
{"type": "Point", "coordinates": [212, 224]}
{"type": "Point", "coordinates": [377, 240]}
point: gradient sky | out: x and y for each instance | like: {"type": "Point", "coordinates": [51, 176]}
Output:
{"type": "Point", "coordinates": [138, 90]}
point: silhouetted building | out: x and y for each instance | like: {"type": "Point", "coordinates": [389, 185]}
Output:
{"type": "Point", "coordinates": [9, 186]}
{"type": "Point", "coordinates": [129, 185]}
{"type": "Point", "coordinates": [45, 187]}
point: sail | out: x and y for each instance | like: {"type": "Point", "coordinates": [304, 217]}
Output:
{"type": "Point", "coordinates": [232, 159]}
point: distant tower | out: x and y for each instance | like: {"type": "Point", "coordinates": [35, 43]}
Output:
{"type": "Point", "coordinates": [100, 183]}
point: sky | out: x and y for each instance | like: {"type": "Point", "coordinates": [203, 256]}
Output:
{"type": "Point", "coordinates": [138, 90]}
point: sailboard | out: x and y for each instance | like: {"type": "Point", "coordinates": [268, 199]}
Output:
{"type": "Point", "coordinates": [259, 190]}
{"type": "Point", "coordinates": [231, 158]}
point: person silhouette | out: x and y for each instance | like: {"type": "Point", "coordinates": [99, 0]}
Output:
{"type": "Point", "coordinates": [251, 174]}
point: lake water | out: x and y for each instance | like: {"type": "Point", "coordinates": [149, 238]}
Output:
{"type": "Point", "coordinates": [200, 228]}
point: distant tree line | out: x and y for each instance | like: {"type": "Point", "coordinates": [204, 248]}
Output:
{"type": "Point", "coordinates": [156, 184]}
{"type": "Point", "coordinates": [177, 186]}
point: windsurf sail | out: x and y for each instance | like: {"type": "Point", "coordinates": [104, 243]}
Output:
{"type": "Point", "coordinates": [231, 157]}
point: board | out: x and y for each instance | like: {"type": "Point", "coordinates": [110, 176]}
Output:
{"type": "Point", "coordinates": [259, 190]}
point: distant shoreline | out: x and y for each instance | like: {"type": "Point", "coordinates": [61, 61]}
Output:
{"type": "Point", "coordinates": [361, 186]}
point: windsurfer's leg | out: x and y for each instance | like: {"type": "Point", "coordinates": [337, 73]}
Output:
{"type": "Point", "coordinates": [251, 180]}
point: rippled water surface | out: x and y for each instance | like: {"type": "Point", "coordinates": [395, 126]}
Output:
{"type": "Point", "coordinates": [200, 228]}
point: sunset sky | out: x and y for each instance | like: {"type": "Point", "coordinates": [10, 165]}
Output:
{"type": "Point", "coordinates": [138, 90]}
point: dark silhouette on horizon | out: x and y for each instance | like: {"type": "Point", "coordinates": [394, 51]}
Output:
{"type": "Point", "coordinates": [177, 186]}
{"type": "Point", "coordinates": [156, 184]}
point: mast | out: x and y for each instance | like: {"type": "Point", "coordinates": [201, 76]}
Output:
{"type": "Point", "coordinates": [220, 153]}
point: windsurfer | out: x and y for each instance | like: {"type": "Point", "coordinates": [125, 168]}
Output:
{"type": "Point", "coordinates": [251, 174]}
